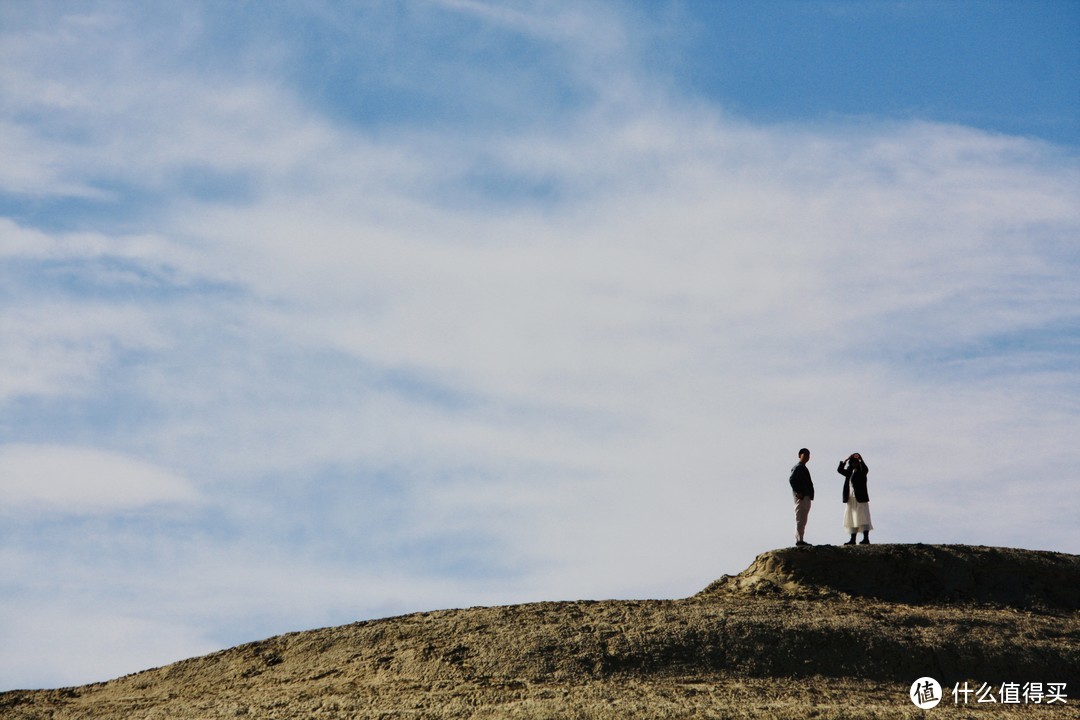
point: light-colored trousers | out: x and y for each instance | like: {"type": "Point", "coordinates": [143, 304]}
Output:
{"type": "Point", "coordinates": [802, 511]}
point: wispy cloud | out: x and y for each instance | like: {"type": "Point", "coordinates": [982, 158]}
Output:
{"type": "Point", "coordinates": [49, 478]}
{"type": "Point", "coordinates": [444, 361]}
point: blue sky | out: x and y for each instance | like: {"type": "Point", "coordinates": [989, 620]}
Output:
{"type": "Point", "coordinates": [1002, 66]}
{"type": "Point", "coordinates": [317, 312]}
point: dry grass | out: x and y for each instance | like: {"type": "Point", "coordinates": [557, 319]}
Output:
{"type": "Point", "coordinates": [798, 635]}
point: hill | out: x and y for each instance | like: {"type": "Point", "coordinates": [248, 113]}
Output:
{"type": "Point", "coordinates": [824, 632]}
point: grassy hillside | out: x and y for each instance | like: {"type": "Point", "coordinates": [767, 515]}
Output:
{"type": "Point", "coordinates": [826, 632]}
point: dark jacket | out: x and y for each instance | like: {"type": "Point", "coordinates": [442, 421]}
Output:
{"type": "Point", "coordinates": [801, 482]}
{"type": "Point", "coordinates": [855, 478]}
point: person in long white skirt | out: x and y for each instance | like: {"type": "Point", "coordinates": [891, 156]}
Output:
{"type": "Point", "coordinates": [856, 498]}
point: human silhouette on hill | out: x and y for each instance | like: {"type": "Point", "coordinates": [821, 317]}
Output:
{"type": "Point", "coordinates": [802, 489]}
{"type": "Point", "coordinates": [856, 498]}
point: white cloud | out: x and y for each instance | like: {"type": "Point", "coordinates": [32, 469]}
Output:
{"type": "Point", "coordinates": [84, 481]}
{"type": "Point", "coordinates": [572, 359]}
{"type": "Point", "coordinates": [69, 646]}
{"type": "Point", "coordinates": [60, 348]}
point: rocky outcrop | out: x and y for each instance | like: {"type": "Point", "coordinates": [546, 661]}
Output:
{"type": "Point", "coordinates": [916, 574]}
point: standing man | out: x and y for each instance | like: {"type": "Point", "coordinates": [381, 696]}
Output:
{"type": "Point", "coordinates": [802, 487]}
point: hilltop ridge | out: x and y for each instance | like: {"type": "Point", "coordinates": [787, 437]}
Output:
{"type": "Point", "coordinates": [837, 623]}
{"type": "Point", "coordinates": [916, 574]}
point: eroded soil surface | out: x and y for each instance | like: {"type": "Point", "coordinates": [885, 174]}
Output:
{"type": "Point", "coordinates": [808, 633]}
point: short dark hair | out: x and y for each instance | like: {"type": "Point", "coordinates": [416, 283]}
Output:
{"type": "Point", "coordinates": [804, 451]}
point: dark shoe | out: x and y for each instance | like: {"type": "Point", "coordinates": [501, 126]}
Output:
{"type": "Point", "coordinates": [803, 544]}
{"type": "Point", "coordinates": [864, 541]}
{"type": "Point", "coordinates": [850, 542]}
